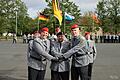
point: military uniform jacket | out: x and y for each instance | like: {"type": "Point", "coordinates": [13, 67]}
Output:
{"type": "Point", "coordinates": [92, 54]}
{"type": "Point", "coordinates": [57, 49]}
{"type": "Point", "coordinates": [38, 52]}
{"type": "Point", "coordinates": [78, 52]}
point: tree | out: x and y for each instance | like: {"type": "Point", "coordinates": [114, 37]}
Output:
{"type": "Point", "coordinates": [88, 23]}
{"type": "Point", "coordinates": [8, 9]}
{"type": "Point", "coordinates": [101, 11]}
{"type": "Point", "coordinates": [109, 12]}
{"type": "Point", "coordinates": [113, 8]}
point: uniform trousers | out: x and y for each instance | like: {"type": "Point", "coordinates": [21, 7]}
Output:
{"type": "Point", "coordinates": [34, 74]}
{"type": "Point", "coordinates": [81, 72]}
{"type": "Point", "coordinates": [14, 41]}
{"type": "Point", "coordinates": [59, 75]}
{"type": "Point", "coordinates": [90, 66]}
{"type": "Point", "coordinates": [119, 39]}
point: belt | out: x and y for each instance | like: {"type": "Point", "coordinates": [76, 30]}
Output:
{"type": "Point", "coordinates": [78, 55]}
{"type": "Point", "coordinates": [37, 58]}
{"type": "Point", "coordinates": [89, 53]}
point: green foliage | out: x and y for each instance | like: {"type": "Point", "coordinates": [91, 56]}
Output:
{"type": "Point", "coordinates": [8, 9]}
{"type": "Point", "coordinates": [109, 14]}
{"type": "Point", "coordinates": [87, 23]}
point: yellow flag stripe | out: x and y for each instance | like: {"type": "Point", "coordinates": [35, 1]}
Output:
{"type": "Point", "coordinates": [57, 12]}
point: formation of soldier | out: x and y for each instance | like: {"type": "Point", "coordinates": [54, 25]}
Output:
{"type": "Point", "coordinates": [107, 38]}
{"type": "Point", "coordinates": [27, 38]}
{"type": "Point", "coordinates": [80, 50]}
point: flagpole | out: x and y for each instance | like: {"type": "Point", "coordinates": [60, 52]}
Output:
{"type": "Point", "coordinates": [38, 24]}
{"type": "Point", "coordinates": [64, 21]}
{"type": "Point", "coordinates": [54, 25]}
{"type": "Point", "coordinates": [16, 24]}
{"type": "Point", "coordinates": [93, 25]}
{"type": "Point", "coordinates": [63, 18]}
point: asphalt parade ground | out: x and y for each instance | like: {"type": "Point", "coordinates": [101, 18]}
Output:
{"type": "Point", "coordinates": [13, 64]}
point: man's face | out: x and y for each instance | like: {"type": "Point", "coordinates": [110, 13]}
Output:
{"type": "Point", "coordinates": [44, 34]}
{"type": "Point", "coordinates": [60, 38]}
{"type": "Point", "coordinates": [87, 36]}
{"type": "Point", "coordinates": [75, 32]}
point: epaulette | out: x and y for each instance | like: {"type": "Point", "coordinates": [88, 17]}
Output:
{"type": "Point", "coordinates": [36, 39]}
{"type": "Point", "coordinates": [68, 42]}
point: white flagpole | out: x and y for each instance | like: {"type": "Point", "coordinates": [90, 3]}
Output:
{"type": "Point", "coordinates": [16, 24]}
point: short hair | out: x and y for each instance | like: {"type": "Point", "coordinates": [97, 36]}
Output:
{"type": "Point", "coordinates": [60, 33]}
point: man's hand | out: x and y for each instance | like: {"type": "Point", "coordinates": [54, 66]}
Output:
{"type": "Point", "coordinates": [55, 59]}
{"type": "Point", "coordinates": [61, 58]}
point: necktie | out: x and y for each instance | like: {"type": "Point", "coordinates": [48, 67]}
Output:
{"type": "Point", "coordinates": [60, 44]}
{"type": "Point", "coordinates": [88, 43]}
{"type": "Point", "coordinates": [74, 39]}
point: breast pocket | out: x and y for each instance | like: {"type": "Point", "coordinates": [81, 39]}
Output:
{"type": "Point", "coordinates": [65, 49]}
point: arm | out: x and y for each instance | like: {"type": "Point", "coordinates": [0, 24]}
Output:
{"type": "Point", "coordinates": [29, 50]}
{"type": "Point", "coordinates": [94, 51]}
{"type": "Point", "coordinates": [54, 52]}
{"type": "Point", "coordinates": [38, 48]}
{"type": "Point", "coordinates": [76, 48]}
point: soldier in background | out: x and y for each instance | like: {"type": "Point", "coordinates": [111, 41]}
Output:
{"type": "Point", "coordinates": [24, 38]}
{"type": "Point", "coordinates": [53, 36]}
{"type": "Point", "coordinates": [91, 55]}
{"type": "Point", "coordinates": [101, 39]}
{"type": "Point", "coordinates": [113, 38]}
{"type": "Point", "coordinates": [119, 37]}
{"type": "Point", "coordinates": [28, 38]}
{"type": "Point", "coordinates": [14, 38]}
{"type": "Point", "coordinates": [116, 38]}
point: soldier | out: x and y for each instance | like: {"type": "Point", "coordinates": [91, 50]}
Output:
{"type": "Point", "coordinates": [101, 39]}
{"type": "Point", "coordinates": [60, 70]}
{"type": "Point", "coordinates": [53, 35]}
{"type": "Point", "coordinates": [80, 60]}
{"type": "Point", "coordinates": [38, 52]}
{"type": "Point", "coordinates": [14, 38]}
{"type": "Point", "coordinates": [24, 38]}
{"type": "Point", "coordinates": [57, 30]}
{"type": "Point", "coordinates": [91, 54]}
{"type": "Point", "coordinates": [28, 38]}
{"type": "Point", "coordinates": [119, 37]}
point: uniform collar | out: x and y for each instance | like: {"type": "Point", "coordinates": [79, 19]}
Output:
{"type": "Point", "coordinates": [77, 37]}
{"type": "Point", "coordinates": [61, 42]}
{"type": "Point", "coordinates": [43, 39]}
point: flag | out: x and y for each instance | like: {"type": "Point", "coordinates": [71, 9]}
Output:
{"type": "Point", "coordinates": [94, 17]}
{"type": "Point", "coordinates": [69, 17]}
{"type": "Point", "coordinates": [43, 17]}
{"type": "Point", "coordinates": [57, 11]}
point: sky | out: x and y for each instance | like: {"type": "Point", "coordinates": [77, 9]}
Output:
{"type": "Point", "coordinates": [34, 6]}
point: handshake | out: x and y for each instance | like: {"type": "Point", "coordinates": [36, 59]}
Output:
{"type": "Point", "coordinates": [58, 59]}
